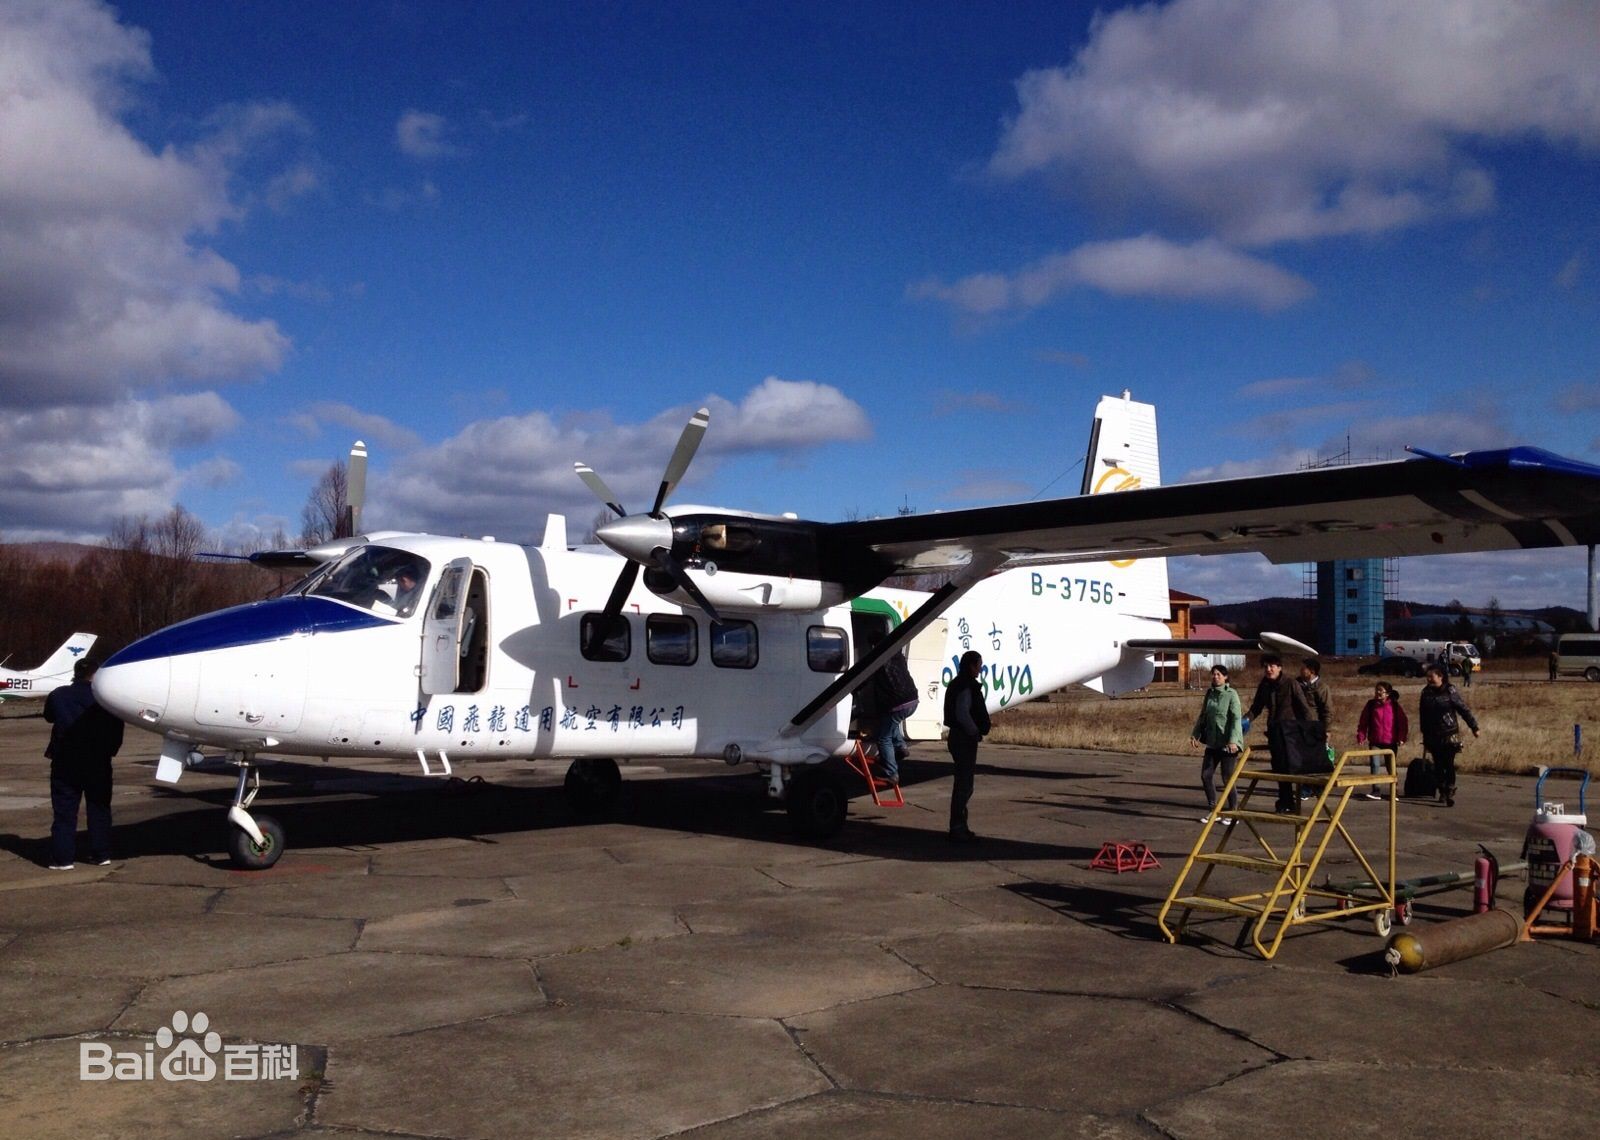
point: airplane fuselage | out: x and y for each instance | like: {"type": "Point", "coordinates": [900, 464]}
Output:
{"type": "Point", "coordinates": [318, 674]}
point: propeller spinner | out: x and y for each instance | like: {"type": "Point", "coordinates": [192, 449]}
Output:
{"type": "Point", "coordinates": [646, 539]}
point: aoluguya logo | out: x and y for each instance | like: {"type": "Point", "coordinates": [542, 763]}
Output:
{"type": "Point", "coordinates": [174, 1055]}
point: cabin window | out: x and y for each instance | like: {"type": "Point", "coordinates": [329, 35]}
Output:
{"type": "Point", "coordinates": [377, 578]}
{"type": "Point", "coordinates": [671, 639]}
{"type": "Point", "coordinates": [602, 639]}
{"type": "Point", "coordinates": [825, 649]}
{"type": "Point", "coordinates": [734, 644]}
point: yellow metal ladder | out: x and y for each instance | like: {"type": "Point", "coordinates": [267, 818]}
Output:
{"type": "Point", "coordinates": [1290, 857]}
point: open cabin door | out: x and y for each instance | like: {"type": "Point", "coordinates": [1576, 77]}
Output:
{"type": "Point", "coordinates": [925, 658]}
{"type": "Point", "coordinates": [442, 629]}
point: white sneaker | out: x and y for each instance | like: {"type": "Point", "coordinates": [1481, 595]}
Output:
{"type": "Point", "coordinates": [61, 866]}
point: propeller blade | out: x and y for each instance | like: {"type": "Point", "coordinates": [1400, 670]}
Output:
{"type": "Point", "coordinates": [355, 495]}
{"type": "Point", "coordinates": [670, 564]}
{"type": "Point", "coordinates": [688, 443]}
{"type": "Point", "coordinates": [620, 592]}
{"type": "Point", "coordinates": [598, 486]}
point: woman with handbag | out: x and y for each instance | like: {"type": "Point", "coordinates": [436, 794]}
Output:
{"type": "Point", "coordinates": [1441, 711]}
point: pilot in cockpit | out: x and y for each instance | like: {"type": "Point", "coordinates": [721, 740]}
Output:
{"type": "Point", "coordinates": [399, 592]}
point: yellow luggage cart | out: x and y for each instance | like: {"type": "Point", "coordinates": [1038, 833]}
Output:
{"type": "Point", "coordinates": [1287, 848]}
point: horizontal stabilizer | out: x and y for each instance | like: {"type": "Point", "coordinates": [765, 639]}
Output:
{"type": "Point", "coordinates": [1267, 643]}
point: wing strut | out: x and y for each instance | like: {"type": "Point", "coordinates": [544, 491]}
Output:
{"type": "Point", "coordinates": [855, 676]}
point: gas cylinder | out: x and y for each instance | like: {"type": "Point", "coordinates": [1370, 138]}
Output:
{"type": "Point", "coordinates": [1554, 837]}
{"type": "Point", "coordinates": [1485, 880]}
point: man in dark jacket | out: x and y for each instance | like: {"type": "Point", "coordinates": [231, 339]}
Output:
{"type": "Point", "coordinates": [83, 739]}
{"type": "Point", "coordinates": [1283, 700]}
{"type": "Point", "coordinates": [894, 696]}
{"type": "Point", "coordinates": [967, 717]}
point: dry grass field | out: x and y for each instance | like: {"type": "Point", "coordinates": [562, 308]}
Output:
{"type": "Point", "coordinates": [1526, 720]}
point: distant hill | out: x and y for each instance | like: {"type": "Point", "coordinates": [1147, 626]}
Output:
{"type": "Point", "coordinates": [1297, 617]}
{"type": "Point", "coordinates": [69, 552]}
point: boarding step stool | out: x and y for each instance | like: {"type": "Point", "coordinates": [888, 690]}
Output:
{"type": "Point", "coordinates": [880, 788]}
{"type": "Point", "coordinates": [1287, 849]}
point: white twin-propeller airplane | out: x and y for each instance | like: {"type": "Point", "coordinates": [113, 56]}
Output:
{"type": "Point", "coordinates": [47, 678]}
{"type": "Point", "coordinates": [749, 631]}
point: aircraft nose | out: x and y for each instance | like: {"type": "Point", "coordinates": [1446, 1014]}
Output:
{"type": "Point", "coordinates": [136, 691]}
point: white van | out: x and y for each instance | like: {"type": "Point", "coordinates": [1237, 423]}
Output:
{"type": "Point", "coordinates": [1579, 653]}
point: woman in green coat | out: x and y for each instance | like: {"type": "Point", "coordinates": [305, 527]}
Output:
{"type": "Point", "coordinates": [1219, 732]}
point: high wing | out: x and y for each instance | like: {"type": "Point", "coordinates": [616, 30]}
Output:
{"type": "Point", "coordinates": [1507, 499]}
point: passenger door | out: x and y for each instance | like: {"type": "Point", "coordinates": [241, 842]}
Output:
{"type": "Point", "coordinates": [441, 629]}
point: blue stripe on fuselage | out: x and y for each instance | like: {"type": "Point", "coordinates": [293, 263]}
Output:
{"type": "Point", "coordinates": [271, 620]}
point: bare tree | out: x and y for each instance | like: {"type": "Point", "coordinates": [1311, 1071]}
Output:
{"type": "Point", "coordinates": [324, 511]}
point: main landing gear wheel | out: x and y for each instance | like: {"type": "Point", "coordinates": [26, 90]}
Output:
{"type": "Point", "coordinates": [249, 855]}
{"type": "Point", "coordinates": [593, 785]}
{"type": "Point", "coordinates": [817, 803]}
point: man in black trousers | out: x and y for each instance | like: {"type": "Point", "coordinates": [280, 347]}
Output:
{"type": "Point", "coordinates": [83, 739]}
{"type": "Point", "coordinates": [967, 717]}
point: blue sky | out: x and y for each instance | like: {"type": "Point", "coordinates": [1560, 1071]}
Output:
{"type": "Point", "coordinates": [899, 249]}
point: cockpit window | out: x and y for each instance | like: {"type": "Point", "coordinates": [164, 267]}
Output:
{"type": "Point", "coordinates": [377, 578]}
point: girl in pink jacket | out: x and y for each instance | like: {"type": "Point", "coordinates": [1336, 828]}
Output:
{"type": "Point", "coordinates": [1383, 724]}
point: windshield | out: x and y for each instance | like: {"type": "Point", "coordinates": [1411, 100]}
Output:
{"type": "Point", "coordinates": [377, 578]}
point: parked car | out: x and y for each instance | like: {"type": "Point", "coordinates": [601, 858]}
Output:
{"type": "Point", "coordinates": [1391, 667]}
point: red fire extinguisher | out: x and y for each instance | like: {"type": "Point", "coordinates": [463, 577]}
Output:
{"type": "Point", "coordinates": [1485, 878]}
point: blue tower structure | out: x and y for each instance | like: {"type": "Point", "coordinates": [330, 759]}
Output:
{"type": "Point", "coordinates": [1350, 595]}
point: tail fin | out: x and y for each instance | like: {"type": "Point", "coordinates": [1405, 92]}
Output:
{"type": "Point", "coordinates": [1124, 455]}
{"type": "Point", "coordinates": [75, 648]}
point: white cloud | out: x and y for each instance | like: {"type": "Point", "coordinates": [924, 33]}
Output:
{"type": "Point", "coordinates": [500, 476]}
{"type": "Point", "coordinates": [1294, 119]}
{"type": "Point", "coordinates": [398, 198]}
{"type": "Point", "coordinates": [421, 134]}
{"type": "Point", "coordinates": [104, 287]}
{"type": "Point", "coordinates": [69, 472]}
{"type": "Point", "coordinates": [379, 431]}
{"type": "Point", "coordinates": [1578, 398]}
{"type": "Point", "coordinates": [949, 403]}
{"type": "Point", "coordinates": [1351, 376]}
{"type": "Point", "coordinates": [987, 487]}
{"type": "Point", "coordinates": [1144, 266]}
{"type": "Point", "coordinates": [218, 471]}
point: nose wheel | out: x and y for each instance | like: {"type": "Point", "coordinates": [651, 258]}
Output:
{"type": "Point", "coordinates": [255, 842]}
{"type": "Point", "coordinates": [248, 854]}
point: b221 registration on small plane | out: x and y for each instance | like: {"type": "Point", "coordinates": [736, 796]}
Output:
{"type": "Point", "coordinates": [706, 632]}
{"type": "Point", "coordinates": [47, 678]}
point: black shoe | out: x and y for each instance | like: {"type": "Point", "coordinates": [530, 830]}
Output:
{"type": "Point", "coordinates": [963, 837]}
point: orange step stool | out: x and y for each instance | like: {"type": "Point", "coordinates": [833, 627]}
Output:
{"type": "Point", "coordinates": [858, 760]}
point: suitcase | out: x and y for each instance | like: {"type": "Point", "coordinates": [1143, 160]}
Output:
{"type": "Point", "coordinates": [1421, 783]}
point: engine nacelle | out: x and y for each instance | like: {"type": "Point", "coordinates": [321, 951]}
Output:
{"type": "Point", "coordinates": [733, 592]}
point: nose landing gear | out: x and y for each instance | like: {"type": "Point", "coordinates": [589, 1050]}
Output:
{"type": "Point", "coordinates": [254, 842]}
